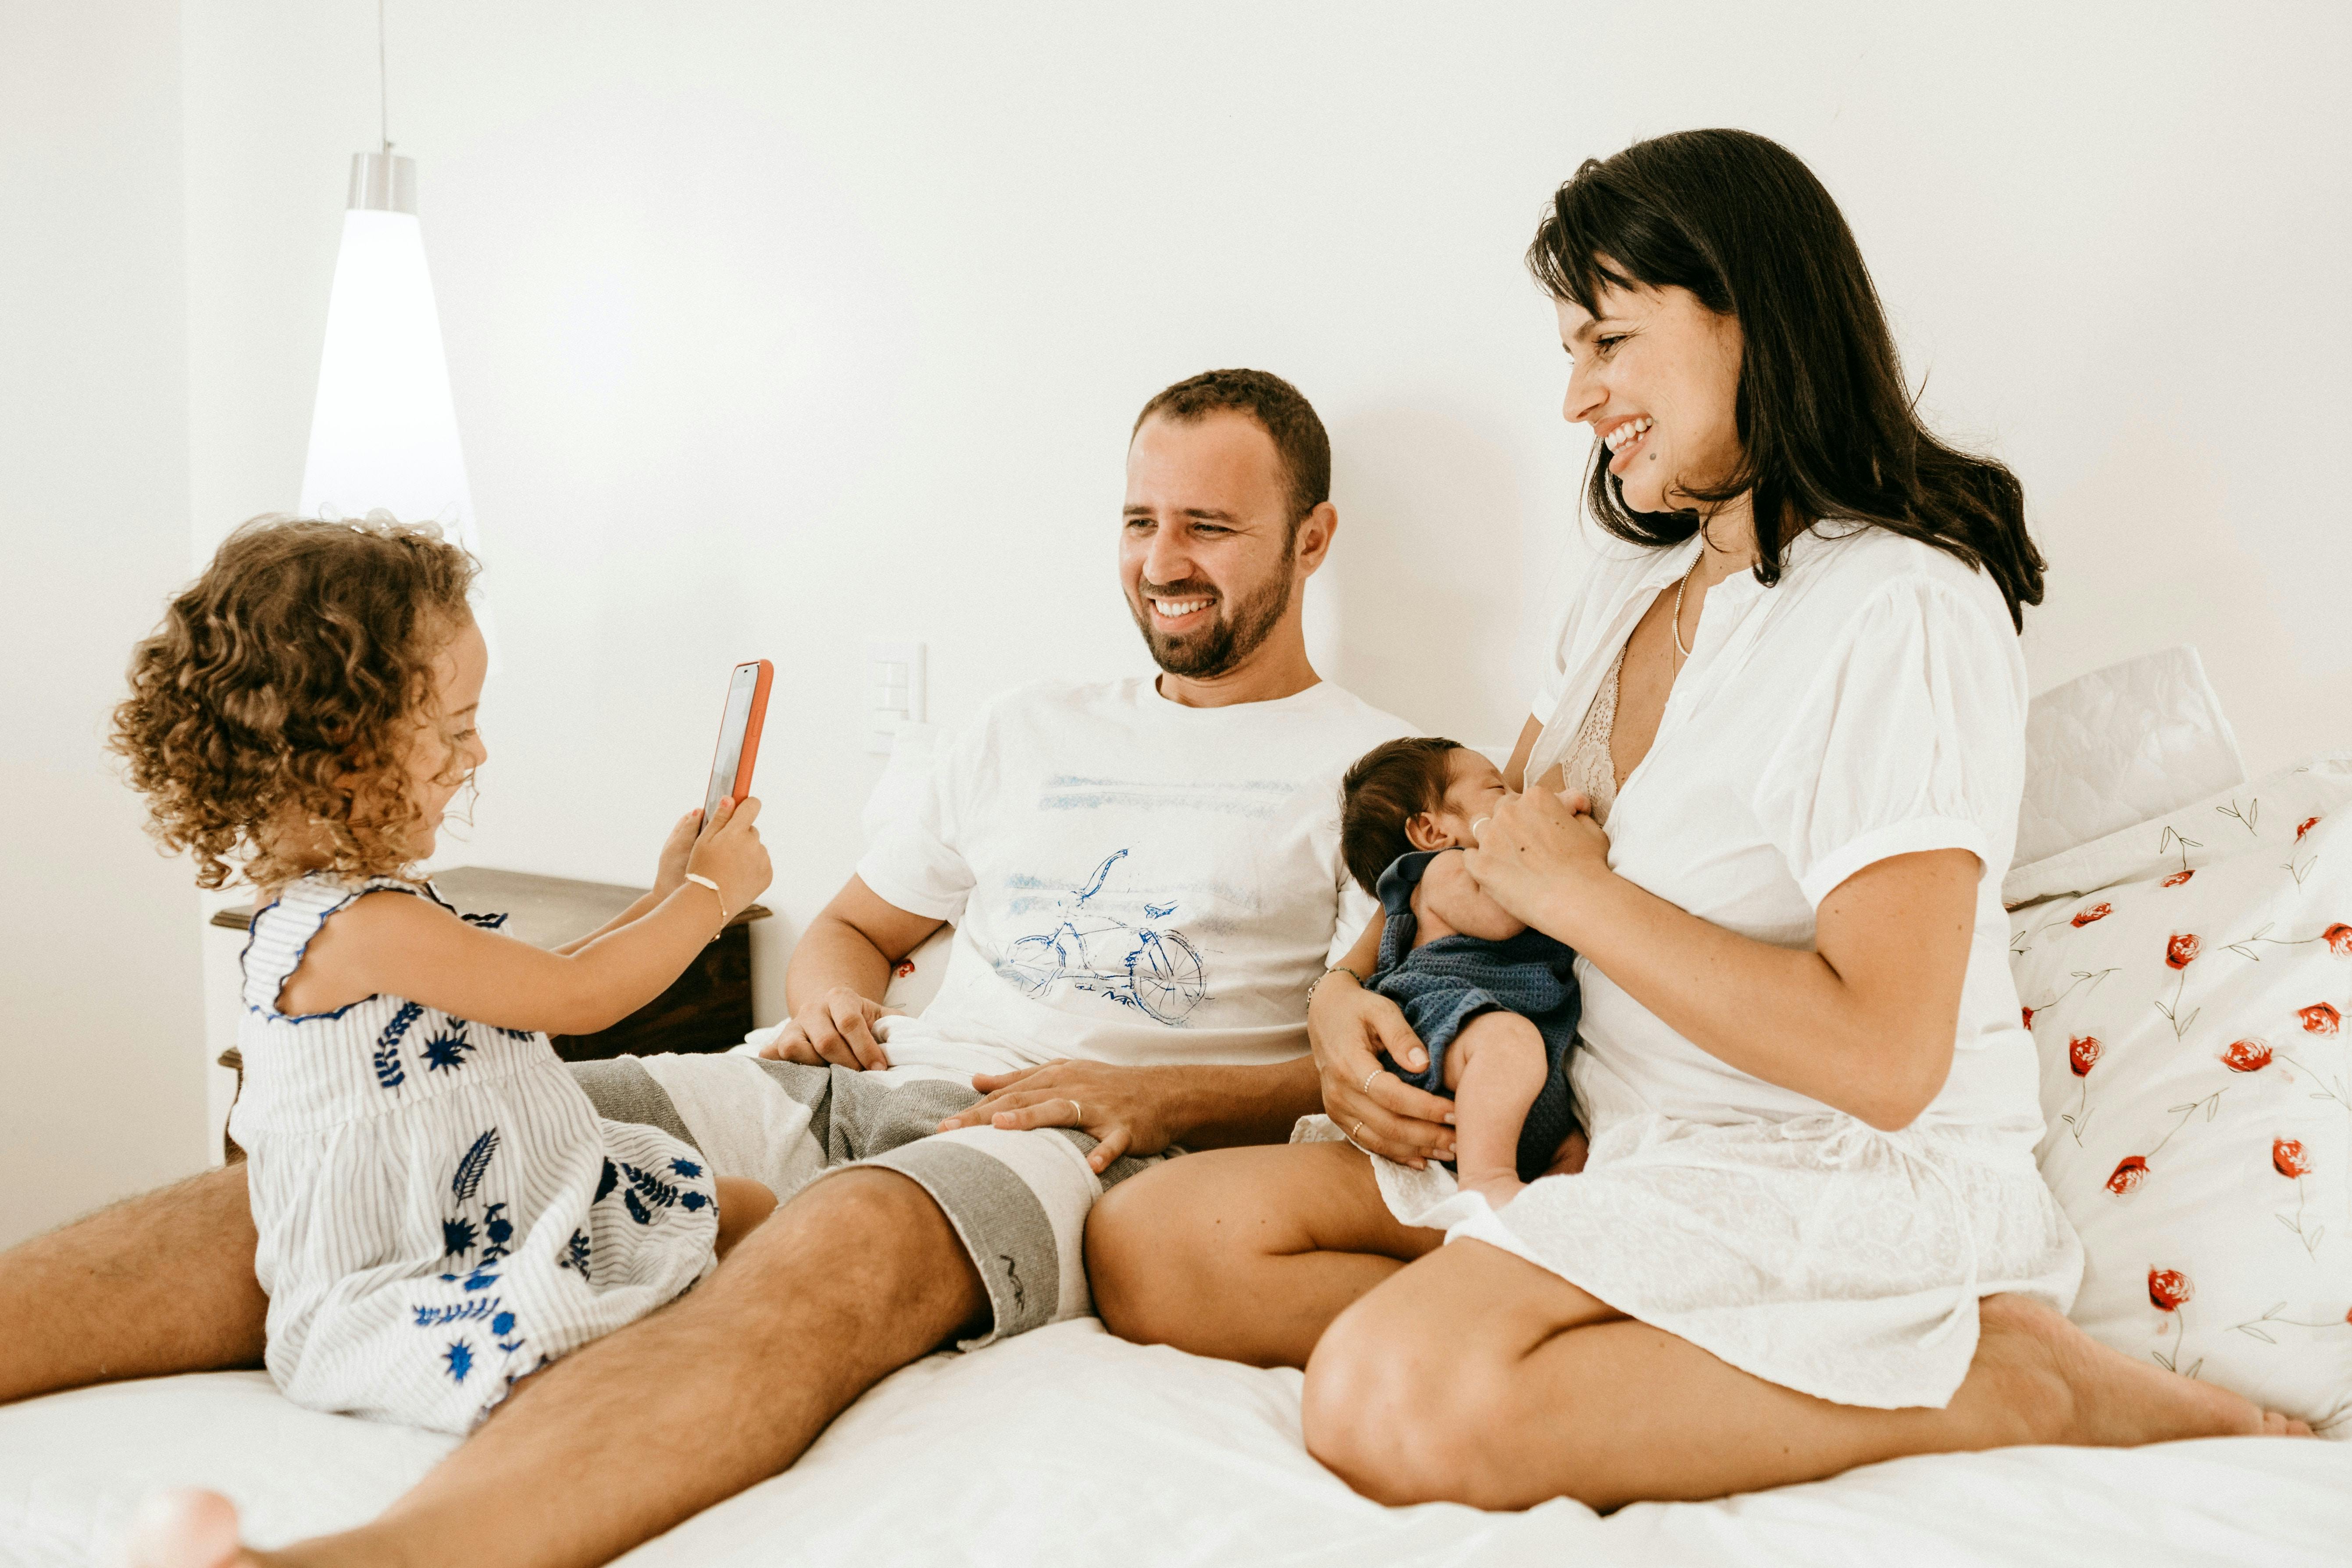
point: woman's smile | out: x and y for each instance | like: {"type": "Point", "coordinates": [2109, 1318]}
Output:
{"type": "Point", "coordinates": [1622, 436]}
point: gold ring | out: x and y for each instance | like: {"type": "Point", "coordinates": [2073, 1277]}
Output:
{"type": "Point", "coordinates": [1077, 1112]}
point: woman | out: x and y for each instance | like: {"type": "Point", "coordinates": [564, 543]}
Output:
{"type": "Point", "coordinates": [1790, 732]}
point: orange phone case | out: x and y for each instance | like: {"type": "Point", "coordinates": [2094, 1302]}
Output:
{"type": "Point", "coordinates": [749, 759]}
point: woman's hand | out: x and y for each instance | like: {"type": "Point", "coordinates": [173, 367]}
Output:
{"type": "Point", "coordinates": [1124, 1108]}
{"type": "Point", "coordinates": [1535, 851]}
{"type": "Point", "coordinates": [670, 874]}
{"type": "Point", "coordinates": [1348, 1027]}
{"type": "Point", "coordinates": [834, 1028]}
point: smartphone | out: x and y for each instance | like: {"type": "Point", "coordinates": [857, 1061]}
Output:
{"type": "Point", "coordinates": [739, 734]}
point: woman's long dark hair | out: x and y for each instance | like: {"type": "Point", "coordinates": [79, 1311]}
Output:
{"type": "Point", "coordinates": [1823, 417]}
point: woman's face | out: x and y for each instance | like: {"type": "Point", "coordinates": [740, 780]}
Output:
{"type": "Point", "coordinates": [1656, 374]}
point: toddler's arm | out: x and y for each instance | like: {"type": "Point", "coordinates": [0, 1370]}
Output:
{"type": "Point", "coordinates": [393, 943]}
{"type": "Point", "coordinates": [1450, 897]}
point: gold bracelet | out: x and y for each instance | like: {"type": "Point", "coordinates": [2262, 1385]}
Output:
{"type": "Point", "coordinates": [1335, 968]}
{"type": "Point", "coordinates": [723, 916]}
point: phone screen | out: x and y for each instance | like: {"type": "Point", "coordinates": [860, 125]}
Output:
{"type": "Point", "coordinates": [740, 689]}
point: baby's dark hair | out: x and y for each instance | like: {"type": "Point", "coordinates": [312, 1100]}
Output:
{"type": "Point", "coordinates": [1387, 788]}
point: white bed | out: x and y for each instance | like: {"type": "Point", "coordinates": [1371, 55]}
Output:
{"type": "Point", "coordinates": [1069, 1444]}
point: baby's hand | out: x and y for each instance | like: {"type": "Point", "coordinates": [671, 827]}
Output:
{"type": "Point", "coordinates": [670, 876]}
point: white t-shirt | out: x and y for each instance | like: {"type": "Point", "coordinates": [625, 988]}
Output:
{"type": "Point", "coordinates": [1132, 880]}
{"type": "Point", "coordinates": [1871, 703]}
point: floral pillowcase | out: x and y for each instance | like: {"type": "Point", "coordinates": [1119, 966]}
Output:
{"type": "Point", "coordinates": [2194, 1079]}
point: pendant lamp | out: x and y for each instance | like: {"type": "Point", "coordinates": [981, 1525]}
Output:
{"type": "Point", "coordinates": [383, 431]}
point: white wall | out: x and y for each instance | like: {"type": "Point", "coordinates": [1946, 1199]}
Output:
{"type": "Point", "coordinates": [774, 328]}
{"type": "Point", "coordinates": [102, 1089]}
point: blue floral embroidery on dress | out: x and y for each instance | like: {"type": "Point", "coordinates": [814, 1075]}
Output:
{"type": "Point", "coordinates": [460, 1357]}
{"type": "Point", "coordinates": [575, 1254]}
{"type": "Point", "coordinates": [447, 1050]}
{"type": "Point", "coordinates": [456, 1238]}
{"type": "Point", "coordinates": [652, 1189]}
{"type": "Point", "coordinates": [389, 1073]}
{"type": "Point", "coordinates": [459, 1312]}
{"type": "Point", "coordinates": [499, 1229]}
{"type": "Point", "coordinates": [686, 1168]}
{"type": "Point", "coordinates": [469, 1179]}
{"type": "Point", "coordinates": [638, 1210]}
{"type": "Point", "coordinates": [480, 1280]}
{"type": "Point", "coordinates": [503, 1324]}
{"type": "Point", "coordinates": [488, 922]}
{"type": "Point", "coordinates": [691, 1200]}
{"type": "Point", "coordinates": [606, 1182]}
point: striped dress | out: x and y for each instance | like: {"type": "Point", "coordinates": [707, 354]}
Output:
{"type": "Point", "coordinates": [441, 1211]}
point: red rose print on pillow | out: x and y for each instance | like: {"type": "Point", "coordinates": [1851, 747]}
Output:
{"type": "Point", "coordinates": [2247, 1055]}
{"type": "Point", "coordinates": [2181, 951]}
{"type": "Point", "coordinates": [906, 966]}
{"type": "Point", "coordinates": [2319, 1019]}
{"type": "Point", "coordinates": [2029, 1018]}
{"type": "Point", "coordinates": [2095, 913]}
{"type": "Point", "coordinates": [2130, 1172]}
{"type": "Point", "coordinates": [2288, 1158]}
{"type": "Point", "coordinates": [2308, 823]}
{"type": "Point", "coordinates": [2339, 937]}
{"type": "Point", "coordinates": [2177, 878]}
{"type": "Point", "coordinates": [2168, 1289]}
{"type": "Point", "coordinates": [2083, 1054]}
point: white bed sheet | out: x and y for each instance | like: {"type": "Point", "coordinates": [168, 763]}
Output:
{"type": "Point", "coordinates": [1067, 1444]}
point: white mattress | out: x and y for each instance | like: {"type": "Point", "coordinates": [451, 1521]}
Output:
{"type": "Point", "coordinates": [1069, 1446]}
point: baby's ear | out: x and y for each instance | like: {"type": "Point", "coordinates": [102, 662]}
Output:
{"type": "Point", "coordinates": [1421, 831]}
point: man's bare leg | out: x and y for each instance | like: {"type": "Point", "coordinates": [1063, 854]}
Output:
{"type": "Point", "coordinates": [157, 1284]}
{"type": "Point", "coordinates": [852, 1279]}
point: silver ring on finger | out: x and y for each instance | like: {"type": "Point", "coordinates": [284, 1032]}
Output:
{"type": "Point", "coordinates": [1368, 1082]}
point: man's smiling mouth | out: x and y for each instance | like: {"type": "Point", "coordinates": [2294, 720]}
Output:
{"type": "Point", "coordinates": [1171, 610]}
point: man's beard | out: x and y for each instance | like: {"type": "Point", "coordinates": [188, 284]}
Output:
{"type": "Point", "coordinates": [1227, 641]}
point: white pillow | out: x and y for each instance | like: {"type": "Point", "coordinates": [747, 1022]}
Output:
{"type": "Point", "coordinates": [2194, 1079]}
{"type": "Point", "coordinates": [2118, 746]}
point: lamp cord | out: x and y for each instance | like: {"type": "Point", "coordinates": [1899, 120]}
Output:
{"type": "Point", "coordinates": [382, 81]}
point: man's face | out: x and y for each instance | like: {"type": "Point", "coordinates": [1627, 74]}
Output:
{"type": "Point", "coordinates": [1206, 554]}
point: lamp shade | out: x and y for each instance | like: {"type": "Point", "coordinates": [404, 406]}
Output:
{"type": "Point", "coordinates": [384, 432]}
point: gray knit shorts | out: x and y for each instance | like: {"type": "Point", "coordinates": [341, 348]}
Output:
{"type": "Point", "coordinates": [1017, 1200]}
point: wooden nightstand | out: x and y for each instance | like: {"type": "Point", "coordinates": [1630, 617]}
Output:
{"type": "Point", "coordinates": [708, 1008]}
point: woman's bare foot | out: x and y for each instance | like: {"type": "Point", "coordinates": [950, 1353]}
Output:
{"type": "Point", "coordinates": [186, 1529]}
{"type": "Point", "coordinates": [2069, 1388]}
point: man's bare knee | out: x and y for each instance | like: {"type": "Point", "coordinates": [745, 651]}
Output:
{"type": "Point", "coordinates": [870, 1238]}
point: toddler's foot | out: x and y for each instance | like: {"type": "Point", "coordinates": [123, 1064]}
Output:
{"type": "Point", "coordinates": [1497, 1188]}
{"type": "Point", "coordinates": [186, 1529]}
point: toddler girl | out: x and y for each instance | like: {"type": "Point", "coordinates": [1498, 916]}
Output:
{"type": "Point", "coordinates": [441, 1211]}
{"type": "Point", "coordinates": [1494, 1003]}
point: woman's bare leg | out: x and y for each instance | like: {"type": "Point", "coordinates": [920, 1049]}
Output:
{"type": "Point", "coordinates": [1475, 1376]}
{"type": "Point", "coordinates": [157, 1284]}
{"type": "Point", "coordinates": [1245, 1254]}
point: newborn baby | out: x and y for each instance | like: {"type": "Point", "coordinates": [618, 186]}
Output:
{"type": "Point", "coordinates": [1495, 1004]}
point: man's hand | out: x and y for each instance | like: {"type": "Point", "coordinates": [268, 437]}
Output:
{"type": "Point", "coordinates": [670, 876]}
{"type": "Point", "coordinates": [836, 1028]}
{"type": "Point", "coordinates": [1126, 1110]}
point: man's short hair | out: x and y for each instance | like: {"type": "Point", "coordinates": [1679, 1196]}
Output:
{"type": "Point", "coordinates": [1280, 409]}
{"type": "Point", "coordinates": [1387, 788]}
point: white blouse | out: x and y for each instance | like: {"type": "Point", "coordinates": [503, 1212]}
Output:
{"type": "Point", "coordinates": [1871, 703]}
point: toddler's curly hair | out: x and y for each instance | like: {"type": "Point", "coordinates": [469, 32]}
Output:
{"type": "Point", "coordinates": [298, 662]}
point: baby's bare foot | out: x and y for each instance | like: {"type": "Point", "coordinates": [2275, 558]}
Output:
{"type": "Point", "coordinates": [186, 1529]}
{"type": "Point", "coordinates": [1497, 1188]}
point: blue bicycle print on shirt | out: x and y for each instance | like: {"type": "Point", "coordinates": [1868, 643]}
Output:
{"type": "Point", "coordinates": [1154, 970]}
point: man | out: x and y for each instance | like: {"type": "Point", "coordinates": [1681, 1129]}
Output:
{"type": "Point", "coordinates": [1145, 878]}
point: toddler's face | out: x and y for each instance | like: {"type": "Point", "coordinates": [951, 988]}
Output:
{"type": "Point", "coordinates": [445, 746]}
{"type": "Point", "coordinates": [1473, 788]}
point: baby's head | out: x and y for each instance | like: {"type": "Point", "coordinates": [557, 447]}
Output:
{"type": "Point", "coordinates": [308, 703]}
{"type": "Point", "coordinates": [1421, 793]}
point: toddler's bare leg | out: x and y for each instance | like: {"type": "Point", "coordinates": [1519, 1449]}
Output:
{"type": "Point", "coordinates": [1496, 1067]}
{"type": "Point", "coordinates": [743, 1203]}
{"type": "Point", "coordinates": [156, 1284]}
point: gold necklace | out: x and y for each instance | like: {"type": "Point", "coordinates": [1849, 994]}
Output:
{"type": "Point", "coordinates": [1678, 608]}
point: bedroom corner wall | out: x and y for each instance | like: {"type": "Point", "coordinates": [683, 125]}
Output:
{"type": "Point", "coordinates": [101, 1086]}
